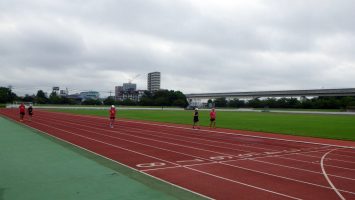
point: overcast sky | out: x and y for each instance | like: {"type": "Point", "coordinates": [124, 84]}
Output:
{"type": "Point", "coordinates": [197, 45]}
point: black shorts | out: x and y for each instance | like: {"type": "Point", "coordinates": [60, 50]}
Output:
{"type": "Point", "coordinates": [22, 113]}
{"type": "Point", "coordinates": [112, 117]}
{"type": "Point", "coordinates": [212, 120]}
{"type": "Point", "coordinates": [196, 119]}
{"type": "Point", "coordinates": [30, 113]}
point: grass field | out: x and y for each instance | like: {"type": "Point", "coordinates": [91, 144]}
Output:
{"type": "Point", "coordinates": [312, 125]}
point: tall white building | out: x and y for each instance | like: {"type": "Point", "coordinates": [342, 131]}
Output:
{"type": "Point", "coordinates": [154, 81]}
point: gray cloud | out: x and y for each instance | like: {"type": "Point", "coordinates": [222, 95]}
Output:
{"type": "Point", "coordinates": [199, 46]}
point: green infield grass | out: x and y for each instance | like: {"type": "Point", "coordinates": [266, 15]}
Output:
{"type": "Point", "coordinates": [340, 127]}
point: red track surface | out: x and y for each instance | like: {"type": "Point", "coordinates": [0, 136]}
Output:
{"type": "Point", "coordinates": [220, 164]}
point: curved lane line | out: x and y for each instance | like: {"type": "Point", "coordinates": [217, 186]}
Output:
{"type": "Point", "coordinates": [326, 175]}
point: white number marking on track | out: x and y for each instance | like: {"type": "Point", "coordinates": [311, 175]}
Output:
{"type": "Point", "coordinates": [194, 160]}
{"type": "Point", "coordinates": [221, 157]}
{"type": "Point", "coordinates": [154, 164]}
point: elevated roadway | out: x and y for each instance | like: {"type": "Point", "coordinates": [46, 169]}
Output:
{"type": "Point", "coordinates": [282, 93]}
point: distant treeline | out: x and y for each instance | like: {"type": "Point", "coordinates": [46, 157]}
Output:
{"type": "Point", "coordinates": [313, 103]}
{"type": "Point", "coordinates": [177, 98]}
{"type": "Point", "coordinates": [159, 98]}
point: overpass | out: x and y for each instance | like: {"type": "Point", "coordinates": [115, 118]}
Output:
{"type": "Point", "coordinates": [197, 98]}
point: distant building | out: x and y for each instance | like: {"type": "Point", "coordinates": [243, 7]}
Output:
{"type": "Point", "coordinates": [129, 87]}
{"type": "Point", "coordinates": [132, 95]}
{"type": "Point", "coordinates": [63, 93]}
{"type": "Point", "coordinates": [154, 81]}
{"type": "Point", "coordinates": [55, 89]}
{"type": "Point", "coordinates": [90, 95]}
{"type": "Point", "coordinates": [75, 97]}
{"type": "Point", "coordinates": [118, 90]}
{"type": "Point", "coordinates": [128, 91]}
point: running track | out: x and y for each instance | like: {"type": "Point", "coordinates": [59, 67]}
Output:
{"type": "Point", "coordinates": [216, 164]}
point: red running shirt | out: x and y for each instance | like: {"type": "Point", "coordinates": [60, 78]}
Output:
{"type": "Point", "coordinates": [213, 115]}
{"type": "Point", "coordinates": [112, 112]}
{"type": "Point", "coordinates": [22, 108]}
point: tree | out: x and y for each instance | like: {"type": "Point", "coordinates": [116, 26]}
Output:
{"type": "Point", "coordinates": [255, 103]}
{"type": "Point", "coordinates": [128, 102]}
{"type": "Point", "coordinates": [220, 102]}
{"type": "Point", "coordinates": [91, 102]}
{"type": "Point", "coordinates": [180, 103]}
{"type": "Point", "coordinates": [164, 98]}
{"type": "Point", "coordinates": [6, 95]}
{"type": "Point", "coordinates": [236, 103]}
{"type": "Point", "coordinates": [41, 97]}
{"type": "Point", "coordinates": [28, 98]}
{"type": "Point", "coordinates": [109, 101]}
{"type": "Point", "coordinates": [54, 98]}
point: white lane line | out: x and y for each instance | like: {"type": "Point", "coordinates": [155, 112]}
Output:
{"type": "Point", "coordinates": [244, 135]}
{"type": "Point", "coordinates": [160, 168]}
{"type": "Point", "coordinates": [241, 183]}
{"type": "Point", "coordinates": [169, 133]}
{"type": "Point", "coordinates": [329, 159]}
{"type": "Point", "coordinates": [283, 177]}
{"type": "Point", "coordinates": [227, 164]}
{"type": "Point", "coordinates": [306, 170]}
{"type": "Point", "coordinates": [152, 146]}
{"type": "Point", "coordinates": [227, 133]}
{"type": "Point", "coordinates": [275, 156]}
{"type": "Point", "coordinates": [316, 163]}
{"type": "Point", "coordinates": [190, 165]}
{"type": "Point", "coordinates": [115, 161]}
{"type": "Point", "coordinates": [326, 176]}
{"type": "Point", "coordinates": [118, 132]}
{"type": "Point", "coordinates": [255, 187]}
{"type": "Point", "coordinates": [109, 144]}
{"type": "Point", "coordinates": [149, 139]}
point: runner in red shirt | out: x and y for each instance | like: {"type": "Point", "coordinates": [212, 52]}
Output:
{"type": "Point", "coordinates": [213, 118]}
{"type": "Point", "coordinates": [22, 111]}
{"type": "Point", "coordinates": [112, 115]}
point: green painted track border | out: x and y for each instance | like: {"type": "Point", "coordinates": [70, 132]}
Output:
{"type": "Point", "coordinates": [147, 180]}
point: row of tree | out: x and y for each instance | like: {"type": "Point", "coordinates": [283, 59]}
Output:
{"type": "Point", "coordinates": [159, 98]}
{"type": "Point", "coordinates": [177, 98]}
{"type": "Point", "coordinates": [313, 103]}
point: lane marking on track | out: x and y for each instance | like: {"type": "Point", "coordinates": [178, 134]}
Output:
{"type": "Point", "coordinates": [317, 162]}
{"type": "Point", "coordinates": [228, 156]}
{"type": "Point", "coordinates": [141, 129]}
{"type": "Point", "coordinates": [334, 159]}
{"type": "Point", "coordinates": [255, 136]}
{"type": "Point", "coordinates": [193, 160]}
{"type": "Point", "coordinates": [159, 159]}
{"type": "Point", "coordinates": [306, 170]}
{"type": "Point", "coordinates": [121, 133]}
{"type": "Point", "coordinates": [283, 177]}
{"type": "Point", "coordinates": [115, 161]}
{"type": "Point", "coordinates": [326, 176]}
{"type": "Point", "coordinates": [162, 168]}
{"type": "Point", "coordinates": [213, 158]}
{"type": "Point", "coordinates": [219, 158]}
{"type": "Point", "coordinates": [241, 183]}
{"type": "Point", "coordinates": [109, 144]}
{"type": "Point", "coordinates": [179, 127]}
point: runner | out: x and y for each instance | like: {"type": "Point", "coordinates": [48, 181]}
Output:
{"type": "Point", "coordinates": [30, 111]}
{"type": "Point", "coordinates": [196, 120]}
{"type": "Point", "coordinates": [112, 115]}
{"type": "Point", "coordinates": [213, 118]}
{"type": "Point", "coordinates": [22, 111]}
